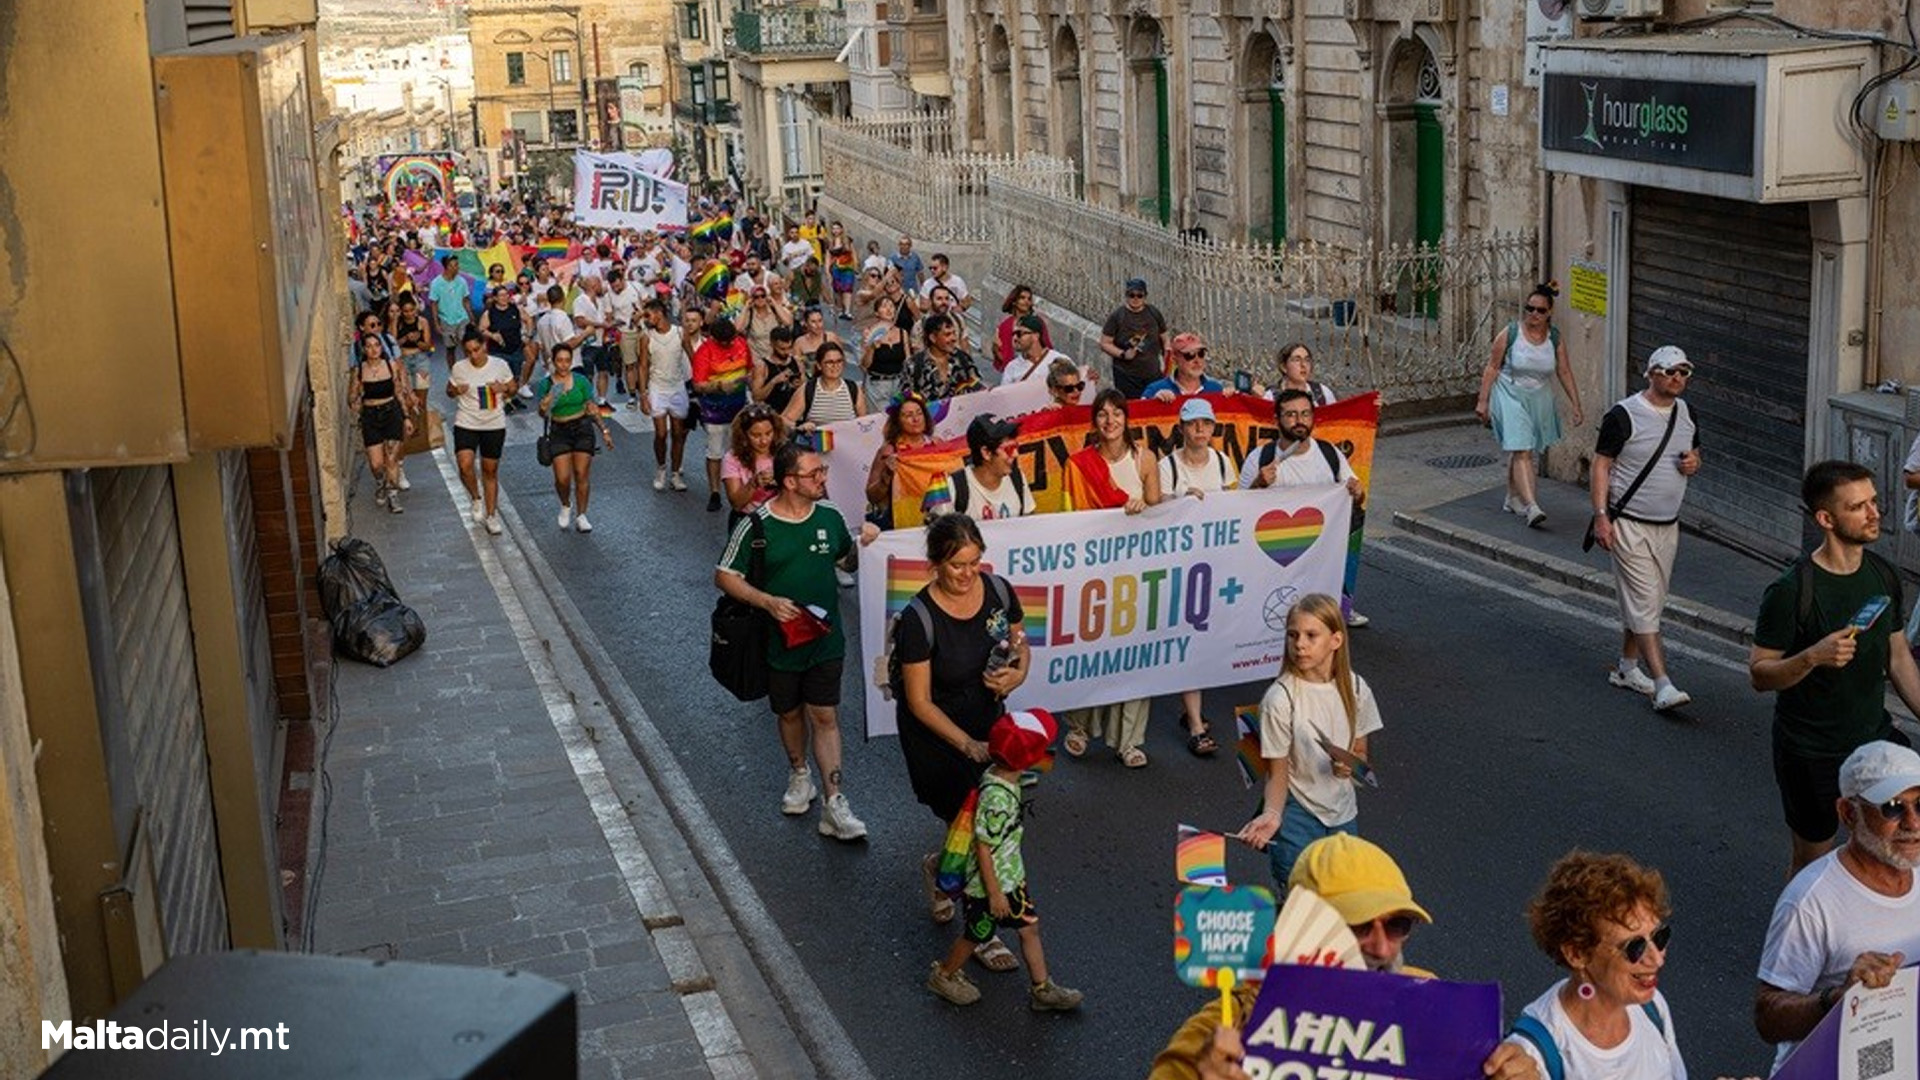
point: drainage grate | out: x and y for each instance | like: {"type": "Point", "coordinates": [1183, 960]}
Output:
{"type": "Point", "coordinates": [1461, 461]}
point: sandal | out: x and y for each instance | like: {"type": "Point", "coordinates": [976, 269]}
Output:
{"type": "Point", "coordinates": [1201, 744]}
{"type": "Point", "coordinates": [1075, 742]}
{"type": "Point", "coordinates": [939, 904]}
{"type": "Point", "coordinates": [1133, 758]}
{"type": "Point", "coordinates": [995, 956]}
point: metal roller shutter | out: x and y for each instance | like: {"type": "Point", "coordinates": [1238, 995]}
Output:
{"type": "Point", "coordinates": [152, 653]}
{"type": "Point", "coordinates": [1732, 284]}
{"type": "Point", "coordinates": [249, 588]}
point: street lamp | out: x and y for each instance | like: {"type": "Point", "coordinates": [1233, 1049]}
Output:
{"type": "Point", "coordinates": [453, 140]}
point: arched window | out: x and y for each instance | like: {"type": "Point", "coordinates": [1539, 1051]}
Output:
{"type": "Point", "coordinates": [639, 70]}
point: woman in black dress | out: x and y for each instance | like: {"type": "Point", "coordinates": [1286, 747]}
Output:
{"type": "Point", "coordinates": [960, 651]}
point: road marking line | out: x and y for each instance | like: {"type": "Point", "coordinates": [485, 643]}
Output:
{"type": "Point", "coordinates": [705, 1011]}
{"type": "Point", "coordinates": [1558, 607]}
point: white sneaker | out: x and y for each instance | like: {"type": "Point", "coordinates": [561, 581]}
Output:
{"type": "Point", "coordinates": [1670, 697]}
{"type": "Point", "coordinates": [581, 524]}
{"type": "Point", "coordinates": [1357, 620]}
{"type": "Point", "coordinates": [677, 482]}
{"type": "Point", "coordinates": [1636, 680]}
{"type": "Point", "coordinates": [837, 820]}
{"type": "Point", "coordinates": [479, 512]}
{"type": "Point", "coordinates": [566, 516]}
{"type": "Point", "coordinates": [1536, 517]}
{"type": "Point", "coordinates": [405, 484]}
{"type": "Point", "coordinates": [1508, 506]}
{"type": "Point", "coordinates": [660, 481]}
{"type": "Point", "coordinates": [494, 528]}
{"type": "Point", "coordinates": [799, 794]}
{"type": "Point", "coordinates": [527, 392]}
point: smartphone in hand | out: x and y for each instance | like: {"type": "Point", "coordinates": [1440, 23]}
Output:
{"type": "Point", "coordinates": [1869, 614]}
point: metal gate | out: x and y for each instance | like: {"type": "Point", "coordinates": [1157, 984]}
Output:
{"type": "Point", "coordinates": [157, 694]}
{"type": "Point", "coordinates": [1732, 284]}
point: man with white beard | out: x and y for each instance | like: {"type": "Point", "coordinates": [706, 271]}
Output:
{"type": "Point", "coordinates": [1852, 917]}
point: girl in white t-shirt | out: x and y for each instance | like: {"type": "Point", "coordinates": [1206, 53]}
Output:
{"type": "Point", "coordinates": [1314, 723]}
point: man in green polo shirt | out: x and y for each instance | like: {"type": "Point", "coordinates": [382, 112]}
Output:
{"type": "Point", "coordinates": [806, 537]}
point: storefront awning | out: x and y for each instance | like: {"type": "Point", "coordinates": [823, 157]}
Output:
{"type": "Point", "coordinates": [1754, 116]}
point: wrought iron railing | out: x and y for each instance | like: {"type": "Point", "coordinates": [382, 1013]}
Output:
{"type": "Point", "coordinates": [789, 31]}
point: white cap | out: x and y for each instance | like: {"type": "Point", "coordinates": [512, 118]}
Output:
{"type": "Point", "coordinates": [1665, 358]}
{"type": "Point", "coordinates": [1878, 771]}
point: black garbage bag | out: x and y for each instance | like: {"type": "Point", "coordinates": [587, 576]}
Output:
{"type": "Point", "coordinates": [379, 630]}
{"type": "Point", "coordinates": [352, 574]}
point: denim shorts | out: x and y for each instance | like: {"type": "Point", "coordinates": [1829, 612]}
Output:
{"type": "Point", "coordinates": [1298, 828]}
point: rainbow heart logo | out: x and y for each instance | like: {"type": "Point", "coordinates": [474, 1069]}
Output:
{"type": "Point", "coordinates": [1286, 536]}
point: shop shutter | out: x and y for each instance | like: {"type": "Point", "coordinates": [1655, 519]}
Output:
{"type": "Point", "coordinates": [1731, 283]}
{"type": "Point", "coordinates": [152, 654]}
{"type": "Point", "coordinates": [249, 590]}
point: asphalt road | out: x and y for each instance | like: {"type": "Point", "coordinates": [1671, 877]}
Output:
{"type": "Point", "coordinates": [1504, 747]}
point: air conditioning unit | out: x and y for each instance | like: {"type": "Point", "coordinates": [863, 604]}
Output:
{"type": "Point", "coordinates": [1622, 9]}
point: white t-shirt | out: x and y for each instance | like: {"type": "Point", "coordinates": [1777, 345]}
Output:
{"type": "Point", "coordinates": [1294, 716]}
{"type": "Point", "coordinates": [876, 261]}
{"type": "Point", "coordinates": [1020, 367]}
{"type": "Point", "coordinates": [480, 408]}
{"type": "Point", "coordinates": [553, 328]}
{"type": "Point", "coordinates": [624, 304]}
{"type": "Point", "coordinates": [985, 503]}
{"type": "Point", "coordinates": [1824, 919]}
{"type": "Point", "coordinates": [1645, 1055]}
{"type": "Point", "coordinates": [1306, 465]}
{"type": "Point", "coordinates": [667, 366]}
{"type": "Point", "coordinates": [954, 283]}
{"type": "Point", "coordinates": [536, 298]}
{"type": "Point", "coordinates": [795, 253]}
{"type": "Point", "coordinates": [594, 267]}
{"type": "Point", "coordinates": [594, 311]}
{"type": "Point", "coordinates": [1177, 476]}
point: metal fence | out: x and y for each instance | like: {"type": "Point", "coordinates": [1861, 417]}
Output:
{"type": "Point", "coordinates": [904, 171]}
{"type": "Point", "coordinates": [1414, 322]}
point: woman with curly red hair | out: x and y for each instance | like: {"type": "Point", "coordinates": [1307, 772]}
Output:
{"type": "Point", "coordinates": [1604, 919]}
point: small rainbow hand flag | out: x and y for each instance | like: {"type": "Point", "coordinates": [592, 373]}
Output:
{"type": "Point", "coordinates": [1246, 745]}
{"type": "Point", "coordinates": [1200, 857]}
{"type": "Point", "coordinates": [489, 398]}
{"type": "Point", "coordinates": [938, 499]}
{"type": "Point", "coordinates": [957, 854]}
{"type": "Point", "coordinates": [553, 247]}
{"type": "Point", "coordinates": [823, 440]}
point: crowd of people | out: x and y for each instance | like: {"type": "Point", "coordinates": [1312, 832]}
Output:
{"type": "Point", "coordinates": [763, 333]}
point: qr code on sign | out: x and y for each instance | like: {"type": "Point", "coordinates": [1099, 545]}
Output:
{"type": "Point", "coordinates": [1876, 1060]}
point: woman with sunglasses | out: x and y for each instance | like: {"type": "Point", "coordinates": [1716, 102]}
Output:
{"type": "Point", "coordinates": [1604, 919]}
{"type": "Point", "coordinates": [1516, 397]}
{"type": "Point", "coordinates": [1018, 306]}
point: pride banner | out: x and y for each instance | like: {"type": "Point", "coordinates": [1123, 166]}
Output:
{"type": "Point", "coordinates": [1047, 439]}
{"type": "Point", "coordinates": [849, 445]}
{"type": "Point", "coordinates": [1187, 595]}
{"type": "Point", "coordinates": [616, 191]}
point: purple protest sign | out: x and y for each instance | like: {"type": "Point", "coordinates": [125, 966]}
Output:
{"type": "Point", "coordinates": [1373, 1025]}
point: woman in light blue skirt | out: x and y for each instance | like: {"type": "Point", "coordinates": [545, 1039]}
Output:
{"type": "Point", "coordinates": [1516, 397]}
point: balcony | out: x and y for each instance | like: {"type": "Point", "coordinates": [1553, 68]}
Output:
{"type": "Point", "coordinates": [712, 113]}
{"type": "Point", "coordinates": [778, 32]}
{"type": "Point", "coordinates": [919, 47]}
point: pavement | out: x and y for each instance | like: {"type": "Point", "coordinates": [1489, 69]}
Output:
{"type": "Point", "coordinates": [479, 805]}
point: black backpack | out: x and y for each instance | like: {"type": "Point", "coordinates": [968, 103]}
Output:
{"type": "Point", "coordinates": [1327, 450]}
{"type": "Point", "coordinates": [1001, 592]}
{"type": "Point", "coordinates": [963, 489]}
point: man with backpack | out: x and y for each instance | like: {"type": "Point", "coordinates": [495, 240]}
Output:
{"type": "Point", "coordinates": [990, 484]}
{"type": "Point", "coordinates": [1296, 458]}
{"type": "Point", "coordinates": [1648, 447]}
{"type": "Point", "coordinates": [1828, 638]}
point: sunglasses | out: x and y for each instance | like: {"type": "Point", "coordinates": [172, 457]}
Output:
{"type": "Point", "coordinates": [1636, 948]}
{"type": "Point", "coordinates": [1195, 354]}
{"type": "Point", "coordinates": [1397, 927]}
{"type": "Point", "coordinates": [1679, 372]}
{"type": "Point", "coordinates": [1893, 809]}
{"type": "Point", "coordinates": [1136, 296]}
{"type": "Point", "coordinates": [1539, 310]}
{"type": "Point", "coordinates": [1068, 388]}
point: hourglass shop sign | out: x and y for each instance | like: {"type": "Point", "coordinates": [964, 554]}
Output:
{"type": "Point", "coordinates": [1705, 126]}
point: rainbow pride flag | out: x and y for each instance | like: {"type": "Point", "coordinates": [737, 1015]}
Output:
{"type": "Point", "coordinates": [713, 226]}
{"type": "Point", "coordinates": [710, 279]}
{"type": "Point", "coordinates": [489, 398]}
{"type": "Point", "coordinates": [956, 855]}
{"type": "Point", "coordinates": [1033, 610]}
{"type": "Point", "coordinates": [938, 497]}
{"type": "Point", "coordinates": [553, 247]}
{"type": "Point", "coordinates": [1246, 745]}
{"type": "Point", "coordinates": [823, 441]}
{"type": "Point", "coordinates": [1200, 857]}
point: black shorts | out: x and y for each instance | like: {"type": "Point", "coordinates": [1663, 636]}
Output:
{"type": "Point", "coordinates": [488, 443]}
{"type": "Point", "coordinates": [600, 359]}
{"type": "Point", "coordinates": [1809, 788]}
{"type": "Point", "coordinates": [580, 436]}
{"type": "Point", "coordinates": [978, 924]}
{"type": "Point", "coordinates": [818, 685]}
{"type": "Point", "coordinates": [382, 423]}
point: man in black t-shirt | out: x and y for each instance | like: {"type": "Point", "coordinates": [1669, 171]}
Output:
{"type": "Point", "coordinates": [1135, 337]}
{"type": "Point", "coordinates": [1830, 670]}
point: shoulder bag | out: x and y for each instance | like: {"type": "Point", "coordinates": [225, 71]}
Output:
{"type": "Point", "coordinates": [1615, 509]}
{"type": "Point", "coordinates": [737, 650]}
